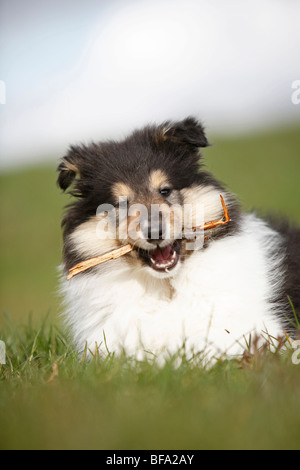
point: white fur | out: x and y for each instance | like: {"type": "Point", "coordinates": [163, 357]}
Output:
{"type": "Point", "coordinates": [215, 297]}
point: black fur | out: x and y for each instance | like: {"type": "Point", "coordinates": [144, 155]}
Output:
{"type": "Point", "coordinates": [290, 295]}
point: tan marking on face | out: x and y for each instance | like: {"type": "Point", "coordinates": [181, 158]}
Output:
{"type": "Point", "coordinates": [157, 179]}
{"type": "Point", "coordinates": [87, 243]}
{"type": "Point", "coordinates": [122, 190]}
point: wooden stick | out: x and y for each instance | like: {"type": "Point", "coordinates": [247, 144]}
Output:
{"type": "Point", "coordinates": [91, 262]}
{"type": "Point", "coordinates": [123, 250]}
{"type": "Point", "coordinates": [215, 223]}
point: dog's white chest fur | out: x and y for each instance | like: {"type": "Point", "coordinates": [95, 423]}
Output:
{"type": "Point", "coordinates": [218, 295]}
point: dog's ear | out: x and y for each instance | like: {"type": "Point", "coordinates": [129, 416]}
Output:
{"type": "Point", "coordinates": [188, 132]}
{"type": "Point", "coordinates": [69, 168]}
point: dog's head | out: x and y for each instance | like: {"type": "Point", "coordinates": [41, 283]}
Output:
{"type": "Point", "coordinates": [140, 191]}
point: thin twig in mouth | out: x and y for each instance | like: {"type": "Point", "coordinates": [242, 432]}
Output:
{"type": "Point", "coordinates": [91, 262]}
{"type": "Point", "coordinates": [123, 250]}
{"type": "Point", "coordinates": [216, 223]}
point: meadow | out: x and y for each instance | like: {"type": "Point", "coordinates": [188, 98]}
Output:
{"type": "Point", "coordinates": [52, 399]}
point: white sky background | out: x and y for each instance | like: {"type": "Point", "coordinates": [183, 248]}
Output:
{"type": "Point", "coordinates": [82, 70]}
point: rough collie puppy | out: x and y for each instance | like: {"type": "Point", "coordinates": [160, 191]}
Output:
{"type": "Point", "coordinates": [206, 291]}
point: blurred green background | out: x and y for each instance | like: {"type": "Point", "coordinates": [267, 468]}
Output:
{"type": "Point", "coordinates": [262, 169]}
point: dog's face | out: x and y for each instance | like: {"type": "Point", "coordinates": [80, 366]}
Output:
{"type": "Point", "coordinates": [137, 191]}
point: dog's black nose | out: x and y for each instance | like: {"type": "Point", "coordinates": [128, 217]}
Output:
{"type": "Point", "coordinates": [154, 229]}
{"type": "Point", "coordinates": [155, 233]}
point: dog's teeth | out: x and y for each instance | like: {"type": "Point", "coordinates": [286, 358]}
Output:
{"type": "Point", "coordinates": [166, 265]}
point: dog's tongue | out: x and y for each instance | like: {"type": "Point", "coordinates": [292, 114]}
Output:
{"type": "Point", "coordinates": [162, 254]}
{"type": "Point", "coordinates": [163, 259]}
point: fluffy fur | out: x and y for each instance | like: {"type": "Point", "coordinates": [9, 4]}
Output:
{"type": "Point", "coordinates": [164, 296]}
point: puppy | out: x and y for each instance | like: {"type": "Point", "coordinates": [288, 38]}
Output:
{"type": "Point", "coordinates": [208, 291]}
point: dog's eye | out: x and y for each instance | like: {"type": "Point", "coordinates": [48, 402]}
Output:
{"type": "Point", "coordinates": [165, 191]}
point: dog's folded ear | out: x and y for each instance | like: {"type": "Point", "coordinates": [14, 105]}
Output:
{"type": "Point", "coordinates": [69, 168]}
{"type": "Point", "coordinates": [188, 132]}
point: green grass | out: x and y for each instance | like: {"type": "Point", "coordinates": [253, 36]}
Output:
{"type": "Point", "coordinates": [262, 170]}
{"type": "Point", "coordinates": [30, 241]}
{"type": "Point", "coordinates": [51, 398]}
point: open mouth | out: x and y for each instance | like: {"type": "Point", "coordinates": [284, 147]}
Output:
{"type": "Point", "coordinates": [162, 259]}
